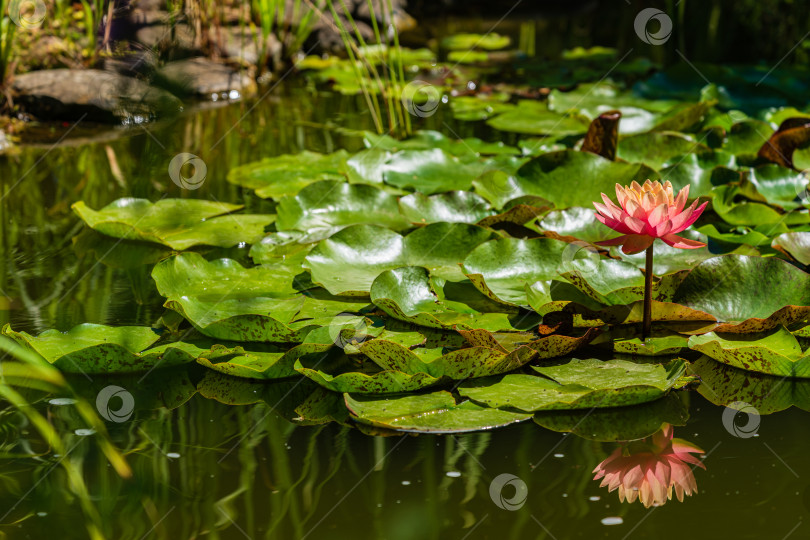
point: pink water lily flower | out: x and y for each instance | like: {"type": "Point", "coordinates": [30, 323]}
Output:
{"type": "Point", "coordinates": [649, 470]}
{"type": "Point", "coordinates": [648, 212]}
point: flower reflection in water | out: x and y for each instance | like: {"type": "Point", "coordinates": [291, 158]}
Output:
{"type": "Point", "coordinates": [649, 469]}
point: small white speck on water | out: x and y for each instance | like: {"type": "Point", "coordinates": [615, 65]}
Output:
{"type": "Point", "coordinates": [84, 432]}
{"type": "Point", "coordinates": [173, 455]}
{"type": "Point", "coordinates": [453, 474]}
{"type": "Point", "coordinates": [612, 521]}
{"type": "Point", "coordinates": [406, 483]}
{"type": "Point", "coordinates": [594, 498]}
{"type": "Point", "coordinates": [559, 455]}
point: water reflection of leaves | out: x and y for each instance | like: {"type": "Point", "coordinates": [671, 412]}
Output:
{"type": "Point", "coordinates": [723, 385]}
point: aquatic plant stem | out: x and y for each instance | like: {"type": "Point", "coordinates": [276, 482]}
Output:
{"type": "Point", "coordinates": [648, 278]}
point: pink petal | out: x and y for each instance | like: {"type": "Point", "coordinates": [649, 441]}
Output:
{"type": "Point", "coordinates": [617, 226]}
{"type": "Point", "coordinates": [657, 216]}
{"type": "Point", "coordinates": [680, 242]}
{"type": "Point", "coordinates": [680, 201]}
{"type": "Point", "coordinates": [619, 240]}
{"type": "Point", "coordinates": [636, 243]}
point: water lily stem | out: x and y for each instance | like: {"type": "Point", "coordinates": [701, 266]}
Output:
{"type": "Point", "coordinates": [648, 279]}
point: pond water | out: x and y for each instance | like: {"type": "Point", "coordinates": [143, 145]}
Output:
{"type": "Point", "coordinates": [226, 459]}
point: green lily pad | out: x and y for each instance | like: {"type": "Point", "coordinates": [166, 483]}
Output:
{"type": "Point", "coordinates": [382, 382]}
{"type": "Point", "coordinates": [779, 185]}
{"type": "Point", "coordinates": [579, 384]}
{"type": "Point", "coordinates": [176, 223]}
{"type": "Point", "coordinates": [774, 353]}
{"type": "Point", "coordinates": [503, 268]}
{"type": "Point", "coordinates": [727, 204]}
{"type": "Point", "coordinates": [323, 208]}
{"type": "Point", "coordinates": [287, 174]}
{"type": "Point", "coordinates": [534, 118]}
{"type": "Point", "coordinates": [795, 244]}
{"type": "Point", "coordinates": [462, 42]}
{"type": "Point", "coordinates": [576, 222]}
{"type": "Point", "coordinates": [762, 292]}
{"type": "Point", "coordinates": [485, 357]}
{"type": "Point", "coordinates": [702, 171]}
{"type": "Point", "coordinates": [550, 176]}
{"type": "Point", "coordinates": [656, 149]}
{"type": "Point", "coordinates": [407, 294]}
{"type": "Point", "coordinates": [747, 137]}
{"type": "Point", "coordinates": [638, 114]}
{"type": "Point", "coordinates": [609, 282]}
{"type": "Point", "coordinates": [270, 363]}
{"type": "Point", "coordinates": [430, 171]}
{"type": "Point", "coordinates": [428, 413]}
{"type": "Point", "coordinates": [659, 344]}
{"type": "Point", "coordinates": [95, 348]}
{"type": "Point", "coordinates": [618, 424]}
{"type": "Point", "coordinates": [224, 300]}
{"type": "Point", "coordinates": [349, 261]}
{"type": "Point", "coordinates": [451, 207]}
{"type": "Point", "coordinates": [479, 106]}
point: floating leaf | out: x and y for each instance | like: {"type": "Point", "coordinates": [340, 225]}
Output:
{"type": "Point", "coordinates": [95, 348]}
{"type": "Point", "coordinates": [323, 208]}
{"type": "Point", "coordinates": [176, 223]}
{"type": "Point", "coordinates": [451, 207]}
{"type": "Point", "coordinates": [550, 176]}
{"type": "Point", "coordinates": [266, 363]}
{"type": "Point", "coordinates": [779, 185]}
{"type": "Point", "coordinates": [428, 413]}
{"type": "Point", "coordinates": [503, 268]}
{"type": "Point", "coordinates": [224, 300]}
{"type": "Point", "coordinates": [774, 353]}
{"type": "Point", "coordinates": [657, 149]}
{"type": "Point", "coordinates": [795, 244]}
{"type": "Point", "coordinates": [762, 292]}
{"type": "Point", "coordinates": [702, 171]}
{"type": "Point", "coordinates": [462, 42]}
{"type": "Point", "coordinates": [407, 294]}
{"type": "Point", "coordinates": [430, 171]}
{"type": "Point", "coordinates": [534, 118]}
{"type": "Point", "coordinates": [578, 223]}
{"type": "Point", "coordinates": [382, 382]}
{"type": "Point", "coordinates": [287, 174]}
{"type": "Point", "coordinates": [578, 384]}
{"type": "Point", "coordinates": [349, 261]}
